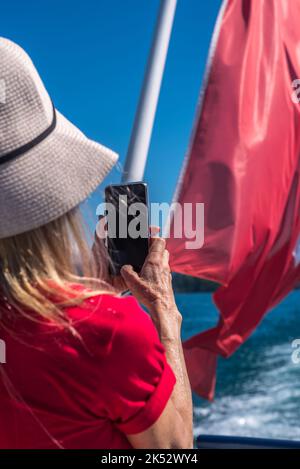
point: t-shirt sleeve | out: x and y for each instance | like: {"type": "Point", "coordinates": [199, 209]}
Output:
{"type": "Point", "coordinates": [138, 379]}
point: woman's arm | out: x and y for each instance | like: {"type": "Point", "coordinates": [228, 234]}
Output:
{"type": "Point", "coordinates": [174, 428]}
{"type": "Point", "coordinates": [153, 288]}
{"type": "Point", "coordinates": [181, 396]}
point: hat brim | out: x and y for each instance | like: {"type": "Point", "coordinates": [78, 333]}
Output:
{"type": "Point", "coordinates": [51, 178]}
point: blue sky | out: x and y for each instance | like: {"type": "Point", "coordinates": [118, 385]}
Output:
{"type": "Point", "coordinates": [92, 55]}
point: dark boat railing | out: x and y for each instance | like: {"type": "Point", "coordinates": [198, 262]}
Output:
{"type": "Point", "coordinates": [240, 442]}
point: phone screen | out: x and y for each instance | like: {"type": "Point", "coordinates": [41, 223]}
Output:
{"type": "Point", "coordinates": [127, 225]}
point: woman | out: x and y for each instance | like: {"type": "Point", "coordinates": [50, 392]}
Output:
{"type": "Point", "coordinates": [85, 367]}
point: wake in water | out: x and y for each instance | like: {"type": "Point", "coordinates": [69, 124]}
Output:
{"type": "Point", "coordinates": [258, 389]}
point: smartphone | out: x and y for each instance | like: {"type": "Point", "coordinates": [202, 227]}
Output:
{"type": "Point", "coordinates": [127, 214]}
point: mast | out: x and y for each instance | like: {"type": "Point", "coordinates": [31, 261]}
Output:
{"type": "Point", "coordinates": [144, 119]}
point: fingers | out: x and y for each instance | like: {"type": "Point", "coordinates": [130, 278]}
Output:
{"type": "Point", "coordinates": [157, 245]}
{"type": "Point", "coordinates": [154, 230]}
{"type": "Point", "coordinates": [154, 233]}
{"type": "Point", "coordinates": [131, 278]}
{"type": "Point", "coordinates": [118, 283]}
{"type": "Point", "coordinates": [156, 252]}
{"type": "Point", "coordinates": [166, 257]}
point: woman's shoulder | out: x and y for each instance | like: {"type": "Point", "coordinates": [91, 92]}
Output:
{"type": "Point", "coordinates": [107, 312]}
{"type": "Point", "coordinates": [114, 327]}
{"type": "Point", "coordinates": [106, 305]}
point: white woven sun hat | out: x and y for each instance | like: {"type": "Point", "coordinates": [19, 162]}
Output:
{"type": "Point", "coordinates": [47, 165]}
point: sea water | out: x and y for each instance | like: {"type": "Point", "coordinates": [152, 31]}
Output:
{"type": "Point", "coordinates": [258, 388]}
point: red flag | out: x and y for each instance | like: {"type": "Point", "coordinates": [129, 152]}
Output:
{"type": "Point", "coordinates": [243, 164]}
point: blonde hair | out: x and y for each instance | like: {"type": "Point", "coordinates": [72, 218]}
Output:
{"type": "Point", "coordinates": [45, 263]}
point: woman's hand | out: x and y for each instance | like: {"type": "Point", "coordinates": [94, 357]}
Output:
{"type": "Point", "coordinates": [153, 288]}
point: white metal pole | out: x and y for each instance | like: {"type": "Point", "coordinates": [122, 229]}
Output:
{"type": "Point", "coordinates": [143, 124]}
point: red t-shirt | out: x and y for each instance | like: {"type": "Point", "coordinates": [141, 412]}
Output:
{"type": "Point", "coordinates": [57, 390]}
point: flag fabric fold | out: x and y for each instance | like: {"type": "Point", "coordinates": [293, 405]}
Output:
{"type": "Point", "coordinates": [244, 165]}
